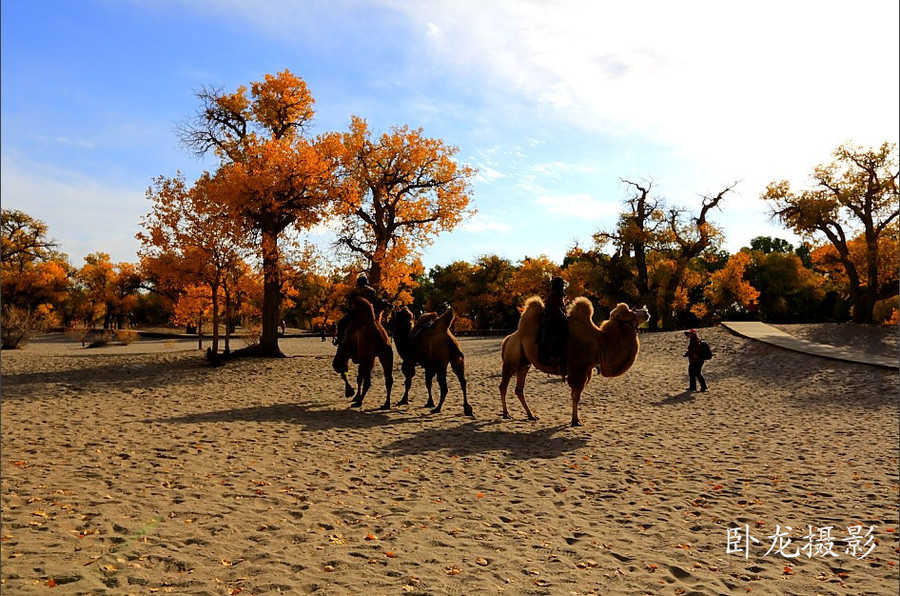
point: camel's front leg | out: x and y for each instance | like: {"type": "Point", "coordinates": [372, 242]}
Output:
{"type": "Point", "coordinates": [578, 382]}
{"type": "Point", "coordinates": [340, 364]}
{"type": "Point", "coordinates": [363, 382]}
{"type": "Point", "coordinates": [348, 389]}
{"type": "Point", "coordinates": [459, 369]}
{"type": "Point", "coordinates": [576, 397]}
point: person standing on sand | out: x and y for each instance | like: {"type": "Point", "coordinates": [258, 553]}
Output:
{"type": "Point", "coordinates": [695, 358]}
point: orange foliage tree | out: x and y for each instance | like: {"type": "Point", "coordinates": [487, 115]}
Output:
{"type": "Point", "coordinates": [856, 195]}
{"type": "Point", "coordinates": [110, 289]}
{"type": "Point", "coordinates": [407, 189]}
{"type": "Point", "coordinates": [35, 275]}
{"type": "Point", "coordinates": [532, 278]}
{"type": "Point", "coordinates": [728, 291]}
{"type": "Point", "coordinates": [190, 239]}
{"type": "Point", "coordinates": [272, 174]}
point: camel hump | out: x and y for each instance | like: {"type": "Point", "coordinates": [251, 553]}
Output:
{"type": "Point", "coordinates": [581, 309]}
{"type": "Point", "coordinates": [532, 310]}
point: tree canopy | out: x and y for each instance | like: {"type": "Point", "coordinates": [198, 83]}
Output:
{"type": "Point", "coordinates": [854, 196]}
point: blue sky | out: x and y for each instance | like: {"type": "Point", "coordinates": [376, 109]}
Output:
{"type": "Point", "coordinates": [553, 102]}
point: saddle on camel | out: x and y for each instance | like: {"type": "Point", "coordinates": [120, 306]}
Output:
{"type": "Point", "coordinates": [613, 347]}
{"type": "Point", "coordinates": [429, 343]}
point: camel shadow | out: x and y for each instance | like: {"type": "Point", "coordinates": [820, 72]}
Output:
{"type": "Point", "coordinates": [310, 416]}
{"type": "Point", "coordinates": [477, 438]}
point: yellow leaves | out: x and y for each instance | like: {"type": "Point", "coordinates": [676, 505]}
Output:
{"type": "Point", "coordinates": [282, 102]}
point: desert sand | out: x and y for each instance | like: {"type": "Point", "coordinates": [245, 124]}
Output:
{"type": "Point", "coordinates": [140, 470]}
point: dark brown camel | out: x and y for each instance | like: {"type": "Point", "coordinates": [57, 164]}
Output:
{"type": "Point", "coordinates": [613, 347]}
{"type": "Point", "coordinates": [429, 344]}
{"type": "Point", "coordinates": [365, 340]}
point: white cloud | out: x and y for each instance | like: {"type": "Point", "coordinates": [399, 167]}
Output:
{"type": "Point", "coordinates": [580, 205]}
{"type": "Point", "coordinates": [481, 223]}
{"type": "Point", "coordinates": [738, 88]}
{"type": "Point", "coordinates": [84, 215]}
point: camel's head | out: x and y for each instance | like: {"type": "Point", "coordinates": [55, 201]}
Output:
{"type": "Point", "coordinates": [642, 314]}
{"type": "Point", "coordinates": [623, 314]}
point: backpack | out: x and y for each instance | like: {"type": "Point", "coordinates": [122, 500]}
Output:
{"type": "Point", "coordinates": [705, 351]}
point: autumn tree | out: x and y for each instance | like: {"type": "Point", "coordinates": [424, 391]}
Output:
{"type": "Point", "coordinates": [637, 233]}
{"type": "Point", "coordinates": [34, 276]}
{"type": "Point", "coordinates": [789, 292]}
{"type": "Point", "coordinates": [686, 238]}
{"type": "Point", "coordinates": [654, 248]}
{"type": "Point", "coordinates": [855, 194]}
{"type": "Point", "coordinates": [445, 285]}
{"type": "Point", "coordinates": [190, 239]}
{"type": "Point", "coordinates": [407, 189]}
{"type": "Point", "coordinates": [728, 292]}
{"type": "Point", "coordinates": [273, 175]}
{"type": "Point", "coordinates": [532, 278]}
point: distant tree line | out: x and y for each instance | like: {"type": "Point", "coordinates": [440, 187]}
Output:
{"type": "Point", "coordinates": [227, 249]}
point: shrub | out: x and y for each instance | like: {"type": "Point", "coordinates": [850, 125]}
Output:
{"type": "Point", "coordinates": [127, 336]}
{"type": "Point", "coordinates": [18, 325]}
{"type": "Point", "coordinates": [252, 335]}
{"type": "Point", "coordinates": [885, 311]}
{"type": "Point", "coordinates": [101, 338]}
{"type": "Point", "coordinates": [80, 331]}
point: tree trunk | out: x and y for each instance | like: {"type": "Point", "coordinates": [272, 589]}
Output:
{"type": "Point", "coordinates": [200, 333]}
{"type": "Point", "coordinates": [215, 318]}
{"type": "Point", "coordinates": [268, 342]}
{"type": "Point", "coordinates": [227, 318]}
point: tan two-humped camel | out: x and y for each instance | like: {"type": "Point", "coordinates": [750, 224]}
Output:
{"type": "Point", "coordinates": [364, 341]}
{"type": "Point", "coordinates": [613, 347]}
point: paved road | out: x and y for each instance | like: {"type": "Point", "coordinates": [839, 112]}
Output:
{"type": "Point", "coordinates": [776, 337]}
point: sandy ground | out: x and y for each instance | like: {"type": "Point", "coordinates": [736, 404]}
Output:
{"type": "Point", "coordinates": [138, 469]}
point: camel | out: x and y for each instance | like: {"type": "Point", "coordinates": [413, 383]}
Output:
{"type": "Point", "coordinates": [612, 348]}
{"type": "Point", "coordinates": [433, 348]}
{"type": "Point", "coordinates": [365, 340]}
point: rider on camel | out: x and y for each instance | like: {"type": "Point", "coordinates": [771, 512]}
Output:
{"type": "Point", "coordinates": [362, 290]}
{"type": "Point", "coordinates": [555, 327]}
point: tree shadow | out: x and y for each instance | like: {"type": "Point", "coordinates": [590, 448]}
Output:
{"type": "Point", "coordinates": [477, 438]}
{"type": "Point", "coordinates": [125, 375]}
{"type": "Point", "coordinates": [310, 416]}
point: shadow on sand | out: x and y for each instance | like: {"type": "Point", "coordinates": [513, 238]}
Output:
{"type": "Point", "coordinates": [477, 438]}
{"type": "Point", "coordinates": [310, 416]}
{"type": "Point", "coordinates": [678, 398]}
{"type": "Point", "coordinates": [517, 441]}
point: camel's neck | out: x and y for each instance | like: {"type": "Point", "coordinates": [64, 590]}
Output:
{"type": "Point", "coordinates": [402, 338]}
{"type": "Point", "coordinates": [618, 343]}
